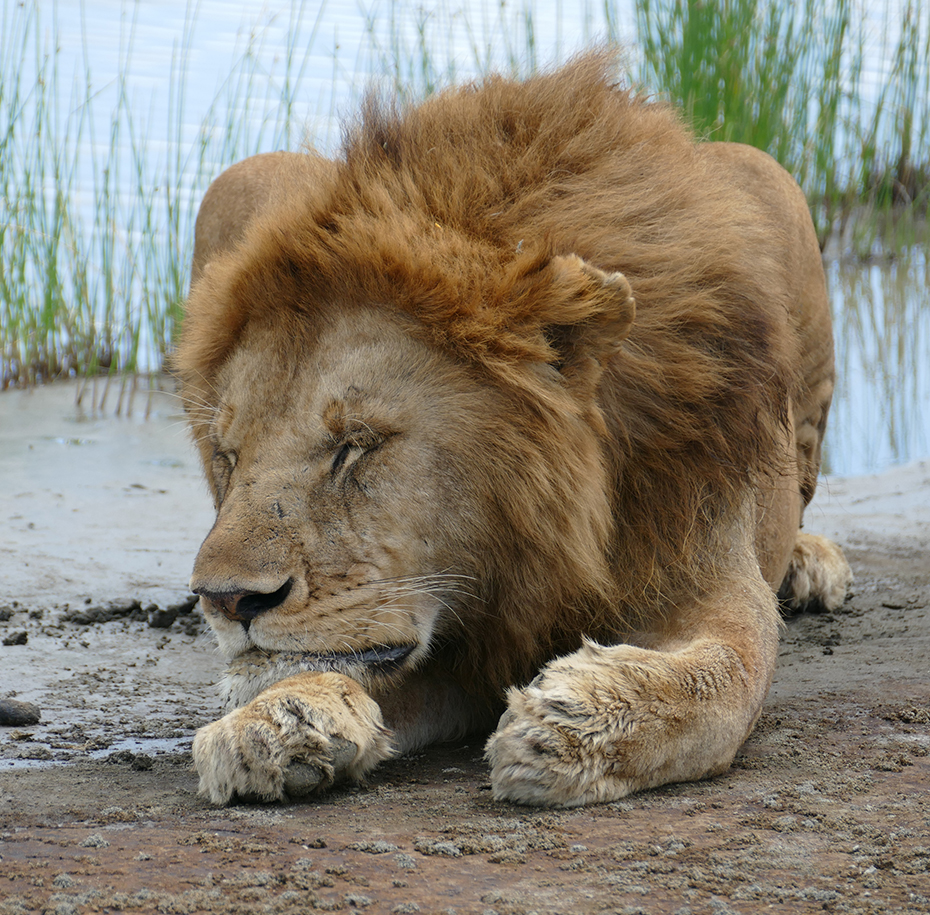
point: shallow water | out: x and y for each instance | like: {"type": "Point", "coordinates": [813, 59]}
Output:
{"type": "Point", "coordinates": [881, 408]}
{"type": "Point", "coordinates": [882, 315]}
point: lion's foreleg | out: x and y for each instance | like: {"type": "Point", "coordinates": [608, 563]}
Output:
{"type": "Point", "coordinates": [300, 735]}
{"type": "Point", "coordinates": [610, 720]}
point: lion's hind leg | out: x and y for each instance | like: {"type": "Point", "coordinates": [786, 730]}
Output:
{"type": "Point", "coordinates": [818, 577]}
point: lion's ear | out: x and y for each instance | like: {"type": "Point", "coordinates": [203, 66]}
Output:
{"type": "Point", "coordinates": [591, 312]}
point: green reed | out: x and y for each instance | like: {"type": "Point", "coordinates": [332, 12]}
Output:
{"type": "Point", "coordinates": [99, 287]}
{"type": "Point", "coordinates": [790, 79]}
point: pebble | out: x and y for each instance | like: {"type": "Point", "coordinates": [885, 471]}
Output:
{"type": "Point", "coordinates": [159, 618]}
{"type": "Point", "coordinates": [95, 840]}
{"type": "Point", "coordinates": [374, 848]}
{"type": "Point", "coordinates": [14, 713]}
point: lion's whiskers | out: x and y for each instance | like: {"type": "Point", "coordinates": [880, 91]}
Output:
{"type": "Point", "coordinates": [407, 590]}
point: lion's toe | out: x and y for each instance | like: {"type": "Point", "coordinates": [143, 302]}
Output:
{"type": "Point", "coordinates": [541, 755]}
{"type": "Point", "coordinates": [239, 756]}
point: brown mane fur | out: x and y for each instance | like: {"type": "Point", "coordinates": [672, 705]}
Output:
{"type": "Point", "coordinates": [451, 213]}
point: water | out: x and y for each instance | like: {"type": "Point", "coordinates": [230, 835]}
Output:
{"type": "Point", "coordinates": [881, 409]}
{"type": "Point", "coordinates": [334, 50]}
{"type": "Point", "coordinates": [319, 58]}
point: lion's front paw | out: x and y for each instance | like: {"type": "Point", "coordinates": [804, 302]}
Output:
{"type": "Point", "coordinates": [563, 738]}
{"type": "Point", "coordinates": [298, 736]}
{"type": "Point", "coordinates": [610, 720]}
{"type": "Point", "coordinates": [541, 755]}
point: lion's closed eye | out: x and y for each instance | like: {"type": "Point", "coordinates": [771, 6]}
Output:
{"type": "Point", "coordinates": [222, 466]}
{"type": "Point", "coordinates": [343, 456]}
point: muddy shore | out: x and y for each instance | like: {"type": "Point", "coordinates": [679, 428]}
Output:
{"type": "Point", "coordinates": [825, 809]}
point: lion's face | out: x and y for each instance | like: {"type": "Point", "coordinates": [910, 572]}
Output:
{"type": "Point", "coordinates": [382, 498]}
{"type": "Point", "coordinates": [344, 502]}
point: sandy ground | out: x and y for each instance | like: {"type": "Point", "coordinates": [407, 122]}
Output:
{"type": "Point", "coordinates": [825, 809]}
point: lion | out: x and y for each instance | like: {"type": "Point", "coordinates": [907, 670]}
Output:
{"type": "Point", "coordinates": [510, 414]}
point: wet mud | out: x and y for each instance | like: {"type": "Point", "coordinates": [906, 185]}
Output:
{"type": "Point", "coordinates": [826, 808]}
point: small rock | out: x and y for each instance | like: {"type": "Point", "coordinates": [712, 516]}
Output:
{"type": "Point", "coordinates": [161, 619]}
{"type": "Point", "coordinates": [14, 713]}
{"type": "Point", "coordinates": [21, 637]}
{"type": "Point", "coordinates": [115, 609]}
{"type": "Point", "coordinates": [373, 848]}
{"type": "Point", "coordinates": [6, 613]}
{"type": "Point", "coordinates": [138, 761]}
{"type": "Point", "coordinates": [33, 752]}
{"type": "Point", "coordinates": [442, 849]}
{"type": "Point", "coordinates": [184, 607]}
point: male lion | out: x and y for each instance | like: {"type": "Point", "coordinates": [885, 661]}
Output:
{"type": "Point", "coordinates": [518, 402]}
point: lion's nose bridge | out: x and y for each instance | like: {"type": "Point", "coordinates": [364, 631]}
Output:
{"type": "Point", "coordinates": [246, 553]}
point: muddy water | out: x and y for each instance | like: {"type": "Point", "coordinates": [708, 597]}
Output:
{"type": "Point", "coordinates": [102, 509]}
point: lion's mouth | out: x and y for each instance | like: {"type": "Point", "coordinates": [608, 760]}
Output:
{"type": "Point", "coordinates": [373, 661]}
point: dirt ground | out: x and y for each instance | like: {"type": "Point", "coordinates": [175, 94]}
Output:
{"type": "Point", "coordinates": [826, 808]}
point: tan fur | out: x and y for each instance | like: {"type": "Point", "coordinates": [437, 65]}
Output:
{"type": "Point", "coordinates": [526, 365]}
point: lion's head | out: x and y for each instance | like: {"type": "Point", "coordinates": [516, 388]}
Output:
{"type": "Point", "coordinates": [375, 491]}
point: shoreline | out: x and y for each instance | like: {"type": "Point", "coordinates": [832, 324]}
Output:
{"type": "Point", "coordinates": [104, 507]}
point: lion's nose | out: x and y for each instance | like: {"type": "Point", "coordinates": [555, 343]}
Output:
{"type": "Point", "coordinates": [244, 606]}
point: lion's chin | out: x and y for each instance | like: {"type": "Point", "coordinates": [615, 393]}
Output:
{"type": "Point", "coordinates": [255, 670]}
